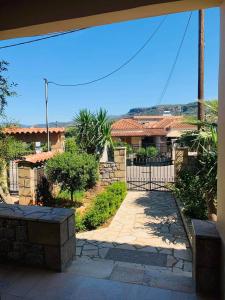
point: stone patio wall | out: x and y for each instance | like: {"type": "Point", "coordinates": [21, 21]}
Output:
{"type": "Point", "coordinates": [37, 236]}
{"type": "Point", "coordinates": [114, 171]}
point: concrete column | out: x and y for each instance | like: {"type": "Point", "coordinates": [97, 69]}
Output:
{"type": "Point", "coordinates": [120, 159]}
{"type": "Point", "coordinates": [26, 183]}
{"type": "Point", "coordinates": [221, 146]}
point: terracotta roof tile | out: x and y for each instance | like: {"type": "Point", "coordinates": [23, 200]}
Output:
{"type": "Point", "coordinates": [39, 157]}
{"type": "Point", "coordinates": [155, 132]}
{"type": "Point", "coordinates": [181, 125]}
{"type": "Point", "coordinates": [18, 130]}
{"type": "Point", "coordinates": [126, 124]}
{"type": "Point", "coordinates": [131, 127]}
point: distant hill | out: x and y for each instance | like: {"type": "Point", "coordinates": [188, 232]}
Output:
{"type": "Point", "coordinates": [54, 124]}
{"type": "Point", "coordinates": [175, 109]}
{"type": "Point", "coordinates": [188, 109]}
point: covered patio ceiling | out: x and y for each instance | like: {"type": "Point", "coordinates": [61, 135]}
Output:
{"type": "Point", "coordinates": [27, 18]}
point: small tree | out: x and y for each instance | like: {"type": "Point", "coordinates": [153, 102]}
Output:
{"type": "Point", "coordinates": [72, 172]}
{"type": "Point", "coordinates": [5, 86]}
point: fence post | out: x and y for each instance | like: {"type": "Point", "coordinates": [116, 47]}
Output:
{"type": "Point", "coordinates": [181, 160]}
{"type": "Point", "coordinates": [26, 183]}
{"type": "Point", "coordinates": [120, 158]}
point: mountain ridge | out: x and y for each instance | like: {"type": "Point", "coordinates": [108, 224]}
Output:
{"type": "Point", "coordinates": [188, 109]}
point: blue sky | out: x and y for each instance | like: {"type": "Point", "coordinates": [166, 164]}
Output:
{"type": "Point", "coordinates": [94, 52]}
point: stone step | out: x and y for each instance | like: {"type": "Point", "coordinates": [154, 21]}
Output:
{"type": "Point", "coordinates": [153, 276]}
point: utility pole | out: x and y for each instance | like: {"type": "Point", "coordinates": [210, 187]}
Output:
{"type": "Point", "coordinates": [46, 112]}
{"type": "Point", "coordinates": [201, 50]}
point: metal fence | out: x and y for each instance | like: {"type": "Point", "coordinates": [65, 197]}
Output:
{"type": "Point", "coordinates": [13, 177]}
{"type": "Point", "coordinates": [150, 174]}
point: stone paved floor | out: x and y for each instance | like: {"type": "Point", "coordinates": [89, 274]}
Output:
{"type": "Point", "coordinates": [19, 283]}
{"type": "Point", "coordinates": [146, 222]}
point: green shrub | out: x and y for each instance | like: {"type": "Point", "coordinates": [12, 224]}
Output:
{"type": "Point", "coordinates": [70, 145]}
{"type": "Point", "coordinates": [104, 206]}
{"type": "Point", "coordinates": [77, 171]}
{"type": "Point", "coordinates": [141, 153]}
{"type": "Point", "coordinates": [147, 152]}
{"type": "Point", "coordinates": [79, 223]}
{"type": "Point", "coordinates": [189, 189]}
{"type": "Point", "coordinates": [151, 151]}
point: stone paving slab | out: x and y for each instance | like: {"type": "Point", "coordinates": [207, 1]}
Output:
{"type": "Point", "coordinates": [146, 222]}
{"type": "Point", "coordinates": [145, 258]}
{"type": "Point", "coordinates": [153, 276]}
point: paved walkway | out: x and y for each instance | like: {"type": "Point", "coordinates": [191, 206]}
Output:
{"type": "Point", "coordinates": [145, 244]}
{"type": "Point", "coordinates": [146, 230]}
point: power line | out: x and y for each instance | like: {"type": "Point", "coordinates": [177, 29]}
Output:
{"type": "Point", "coordinates": [41, 38]}
{"type": "Point", "coordinates": [118, 68]}
{"type": "Point", "coordinates": [175, 61]}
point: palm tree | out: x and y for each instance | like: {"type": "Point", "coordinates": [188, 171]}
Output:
{"type": "Point", "coordinates": [93, 131]}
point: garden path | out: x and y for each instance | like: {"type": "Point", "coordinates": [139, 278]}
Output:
{"type": "Point", "coordinates": [146, 237]}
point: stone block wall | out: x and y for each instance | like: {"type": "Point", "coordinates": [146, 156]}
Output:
{"type": "Point", "coordinates": [120, 160]}
{"type": "Point", "coordinates": [26, 182]}
{"type": "Point", "coordinates": [181, 160]}
{"type": "Point", "coordinates": [37, 236]}
{"type": "Point", "coordinates": [114, 171]}
{"type": "Point", "coordinates": [107, 172]}
{"type": "Point", "coordinates": [184, 160]}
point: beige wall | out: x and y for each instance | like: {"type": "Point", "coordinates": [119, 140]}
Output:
{"type": "Point", "coordinates": [136, 141]}
{"type": "Point", "coordinates": [56, 139]}
{"type": "Point", "coordinates": [221, 162]}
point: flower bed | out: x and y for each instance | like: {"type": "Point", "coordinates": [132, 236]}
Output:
{"type": "Point", "coordinates": [104, 206]}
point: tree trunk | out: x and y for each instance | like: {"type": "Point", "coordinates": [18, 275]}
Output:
{"type": "Point", "coordinates": [71, 195]}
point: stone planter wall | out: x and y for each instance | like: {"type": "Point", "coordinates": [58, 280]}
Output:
{"type": "Point", "coordinates": [114, 171]}
{"type": "Point", "coordinates": [37, 236]}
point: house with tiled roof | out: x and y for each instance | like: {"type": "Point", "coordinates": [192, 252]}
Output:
{"type": "Point", "coordinates": [39, 135]}
{"type": "Point", "coordinates": [142, 131]}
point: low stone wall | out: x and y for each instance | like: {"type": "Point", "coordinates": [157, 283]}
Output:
{"type": "Point", "coordinates": [107, 172]}
{"type": "Point", "coordinates": [114, 171]}
{"type": "Point", "coordinates": [37, 236]}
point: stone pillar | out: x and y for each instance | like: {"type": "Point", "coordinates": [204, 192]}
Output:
{"type": "Point", "coordinates": [181, 159]}
{"type": "Point", "coordinates": [120, 159]}
{"type": "Point", "coordinates": [4, 177]}
{"type": "Point", "coordinates": [26, 183]}
{"type": "Point", "coordinates": [206, 258]}
{"type": "Point", "coordinates": [221, 144]}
